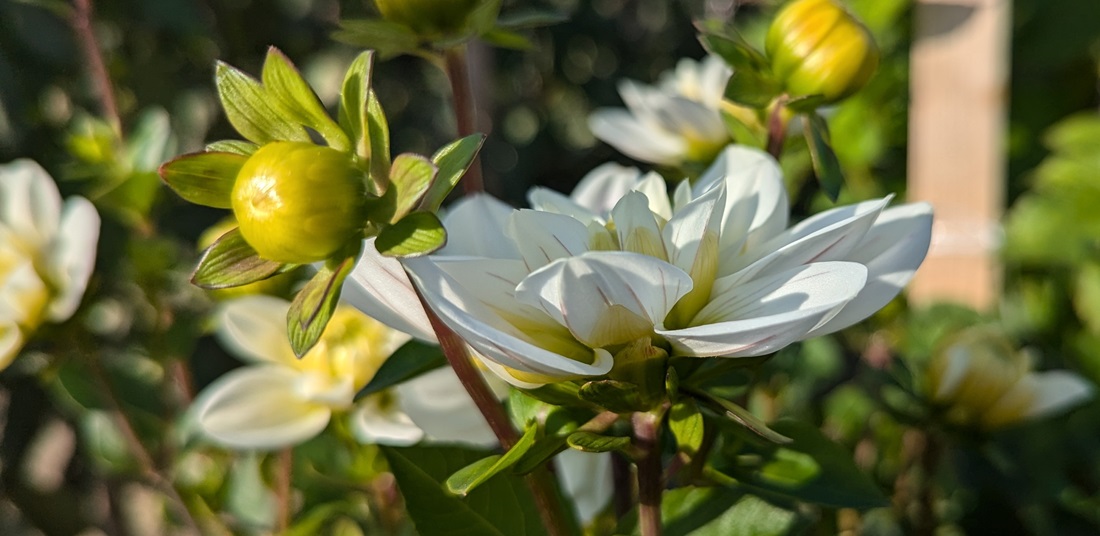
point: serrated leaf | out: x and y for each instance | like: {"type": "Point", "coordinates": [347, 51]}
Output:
{"type": "Point", "coordinates": [593, 442]}
{"type": "Point", "coordinates": [452, 160]}
{"type": "Point", "coordinates": [231, 262]}
{"type": "Point", "coordinates": [409, 361]}
{"type": "Point", "coordinates": [251, 110]}
{"type": "Point", "coordinates": [826, 166]}
{"type": "Point", "coordinates": [241, 147]}
{"type": "Point", "coordinates": [387, 38]}
{"type": "Point", "coordinates": [500, 507]}
{"type": "Point", "coordinates": [620, 397]}
{"type": "Point", "coordinates": [810, 468]}
{"type": "Point", "coordinates": [411, 177]}
{"type": "Point", "coordinates": [530, 18]}
{"type": "Point", "coordinates": [742, 417]}
{"type": "Point", "coordinates": [313, 305]}
{"type": "Point", "coordinates": [502, 38]}
{"type": "Point", "coordinates": [686, 423]}
{"type": "Point", "coordinates": [297, 100]}
{"type": "Point", "coordinates": [415, 235]}
{"type": "Point", "coordinates": [354, 96]}
{"type": "Point", "coordinates": [203, 178]}
{"type": "Point", "coordinates": [465, 480]}
{"type": "Point", "coordinates": [378, 130]}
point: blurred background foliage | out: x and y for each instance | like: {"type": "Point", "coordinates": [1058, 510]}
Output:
{"type": "Point", "coordinates": [63, 462]}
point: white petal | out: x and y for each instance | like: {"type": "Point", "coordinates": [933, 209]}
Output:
{"type": "Point", "coordinates": [72, 256]}
{"type": "Point", "coordinates": [714, 74]}
{"type": "Point", "coordinates": [769, 313]}
{"type": "Point", "coordinates": [29, 202]}
{"type": "Point", "coordinates": [656, 190]}
{"type": "Point", "coordinates": [438, 404]}
{"type": "Point", "coordinates": [543, 237]}
{"type": "Point", "coordinates": [606, 297]}
{"type": "Point", "coordinates": [892, 251]}
{"type": "Point", "coordinates": [375, 423]}
{"type": "Point", "coordinates": [602, 187]}
{"type": "Point", "coordinates": [253, 328]}
{"type": "Point", "coordinates": [548, 200]}
{"type": "Point", "coordinates": [255, 408]}
{"type": "Point", "coordinates": [492, 282]}
{"type": "Point", "coordinates": [636, 139]}
{"type": "Point", "coordinates": [1057, 391]}
{"type": "Point", "coordinates": [475, 226]}
{"type": "Point", "coordinates": [685, 233]}
{"type": "Point", "coordinates": [586, 480]}
{"type": "Point", "coordinates": [636, 226]}
{"type": "Point", "coordinates": [498, 340]}
{"type": "Point", "coordinates": [379, 287]}
{"type": "Point", "coordinates": [23, 294]}
{"type": "Point", "coordinates": [11, 341]}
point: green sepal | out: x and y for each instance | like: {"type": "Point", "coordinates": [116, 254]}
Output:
{"type": "Point", "coordinates": [203, 178]}
{"type": "Point", "coordinates": [826, 166]}
{"type": "Point", "coordinates": [742, 417]}
{"type": "Point", "coordinates": [407, 362]}
{"type": "Point", "coordinates": [415, 235]}
{"type": "Point", "coordinates": [687, 425]}
{"type": "Point", "coordinates": [593, 442]}
{"type": "Point", "coordinates": [251, 109]}
{"type": "Point", "coordinates": [354, 96]}
{"type": "Point", "coordinates": [484, 17]}
{"type": "Point", "coordinates": [411, 177]}
{"type": "Point", "coordinates": [732, 48]}
{"type": "Point", "coordinates": [806, 104]}
{"type": "Point", "coordinates": [452, 160]}
{"type": "Point", "coordinates": [755, 89]}
{"type": "Point", "coordinates": [379, 131]}
{"type": "Point", "coordinates": [465, 480]}
{"type": "Point", "coordinates": [502, 38]}
{"type": "Point", "coordinates": [241, 147]}
{"type": "Point", "coordinates": [387, 38]}
{"type": "Point", "coordinates": [231, 262]}
{"type": "Point", "coordinates": [313, 305]}
{"type": "Point", "coordinates": [298, 101]}
{"type": "Point", "coordinates": [561, 394]}
{"type": "Point", "coordinates": [617, 396]}
{"type": "Point", "coordinates": [751, 83]}
{"type": "Point", "coordinates": [521, 19]}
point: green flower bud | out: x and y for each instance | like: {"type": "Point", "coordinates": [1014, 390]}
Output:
{"type": "Point", "coordinates": [299, 202]}
{"type": "Point", "coordinates": [428, 17]}
{"type": "Point", "coordinates": [817, 48]}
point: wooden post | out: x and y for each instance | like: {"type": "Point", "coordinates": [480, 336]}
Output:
{"type": "Point", "coordinates": [957, 134]}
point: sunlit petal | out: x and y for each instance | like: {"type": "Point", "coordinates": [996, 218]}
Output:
{"type": "Point", "coordinates": [253, 328]}
{"type": "Point", "coordinates": [476, 225]}
{"type": "Point", "coordinates": [72, 257]}
{"type": "Point", "coordinates": [379, 287]}
{"type": "Point", "coordinates": [543, 237]}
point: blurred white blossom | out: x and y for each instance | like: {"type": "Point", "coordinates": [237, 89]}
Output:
{"type": "Point", "coordinates": [47, 253]}
{"type": "Point", "coordinates": [678, 120]}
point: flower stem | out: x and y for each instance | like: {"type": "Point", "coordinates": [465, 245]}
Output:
{"type": "Point", "coordinates": [647, 438]}
{"type": "Point", "coordinates": [465, 109]}
{"type": "Point", "coordinates": [93, 61]}
{"type": "Point", "coordinates": [777, 126]}
{"type": "Point", "coordinates": [540, 481]}
{"type": "Point", "coordinates": [282, 488]}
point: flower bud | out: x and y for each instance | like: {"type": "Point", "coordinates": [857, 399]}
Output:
{"type": "Point", "coordinates": [817, 48]}
{"type": "Point", "coordinates": [276, 285]}
{"type": "Point", "coordinates": [298, 202]}
{"type": "Point", "coordinates": [428, 17]}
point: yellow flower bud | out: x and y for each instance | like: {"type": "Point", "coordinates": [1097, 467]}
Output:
{"type": "Point", "coordinates": [429, 17]}
{"type": "Point", "coordinates": [817, 48]}
{"type": "Point", "coordinates": [298, 202]}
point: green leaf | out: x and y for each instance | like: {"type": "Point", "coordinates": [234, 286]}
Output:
{"type": "Point", "coordinates": [826, 166]}
{"type": "Point", "coordinates": [452, 160]}
{"type": "Point", "coordinates": [465, 480]}
{"type": "Point", "coordinates": [411, 176]}
{"type": "Point", "coordinates": [387, 38]}
{"type": "Point", "coordinates": [417, 234]}
{"type": "Point", "coordinates": [530, 18]}
{"type": "Point", "coordinates": [502, 38]}
{"type": "Point", "coordinates": [686, 423]}
{"type": "Point", "coordinates": [313, 305]}
{"type": "Point", "coordinates": [755, 89]}
{"type": "Point", "coordinates": [620, 397]}
{"type": "Point", "coordinates": [409, 361]}
{"type": "Point", "coordinates": [354, 96]}
{"type": "Point", "coordinates": [241, 147]}
{"type": "Point", "coordinates": [379, 132]}
{"type": "Point", "coordinates": [592, 442]}
{"type": "Point", "coordinates": [742, 417]}
{"type": "Point", "coordinates": [231, 262]}
{"type": "Point", "coordinates": [500, 507]}
{"type": "Point", "coordinates": [716, 511]}
{"type": "Point", "coordinates": [811, 468]}
{"type": "Point", "coordinates": [251, 110]}
{"type": "Point", "coordinates": [298, 101]}
{"type": "Point", "coordinates": [203, 178]}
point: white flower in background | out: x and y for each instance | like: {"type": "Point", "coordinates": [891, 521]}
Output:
{"type": "Point", "coordinates": [47, 253]}
{"type": "Point", "coordinates": [677, 120]}
{"type": "Point", "coordinates": [981, 380]}
{"type": "Point", "coordinates": [279, 400]}
{"type": "Point", "coordinates": [549, 295]}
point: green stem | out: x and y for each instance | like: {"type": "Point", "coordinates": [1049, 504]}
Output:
{"type": "Point", "coordinates": [777, 126]}
{"type": "Point", "coordinates": [93, 62]}
{"type": "Point", "coordinates": [540, 481]}
{"type": "Point", "coordinates": [282, 488]}
{"type": "Point", "coordinates": [465, 109]}
{"type": "Point", "coordinates": [647, 438]}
